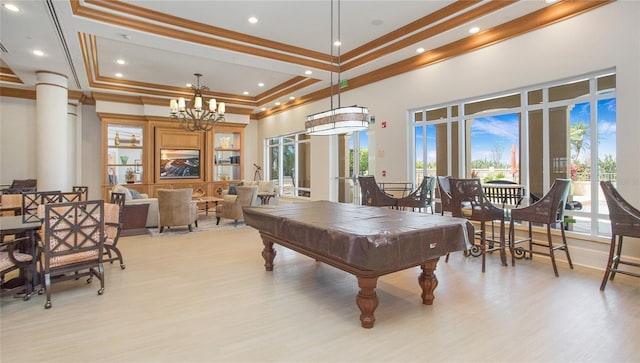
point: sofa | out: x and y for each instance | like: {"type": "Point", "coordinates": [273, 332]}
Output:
{"type": "Point", "coordinates": [264, 187]}
{"type": "Point", "coordinates": [132, 197]}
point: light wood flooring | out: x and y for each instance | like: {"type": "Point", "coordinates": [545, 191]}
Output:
{"type": "Point", "coordinates": [205, 297]}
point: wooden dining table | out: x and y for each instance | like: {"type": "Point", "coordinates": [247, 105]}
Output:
{"type": "Point", "coordinates": [17, 225]}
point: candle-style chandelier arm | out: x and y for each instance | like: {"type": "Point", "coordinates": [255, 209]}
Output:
{"type": "Point", "coordinates": [192, 115]}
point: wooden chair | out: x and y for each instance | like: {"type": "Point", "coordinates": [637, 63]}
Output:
{"type": "Point", "coordinates": [112, 228]}
{"type": "Point", "coordinates": [549, 210]}
{"type": "Point", "coordinates": [31, 201]}
{"type": "Point", "coordinates": [625, 221]}
{"type": "Point", "coordinates": [20, 186]}
{"type": "Point", "coordinates": [84, 191]}
{"type": "Point", "coordinates": [469, 201]}
{"type": "Point", "coordinates": [72, 244]}
{"type": "Point", "coordinates": [372, 195]}
{"type": "Point", "coordinates": [11, 206]}
{"type": "Point", "coordinates": [12, 259]}
{"type": "Point", "coordinates": [119, 199]}
{"type": "Point", "coordinates": [444, 189]}
{"type": "Point", "coordinates": [420, 198]}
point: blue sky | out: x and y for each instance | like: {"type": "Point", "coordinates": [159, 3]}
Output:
{"type": "Point", "coordinates": [500, 132]}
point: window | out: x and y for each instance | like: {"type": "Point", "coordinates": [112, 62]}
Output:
{"type": "Point", "coordinates": [289, 161]}
{"type": "Point", "coordinates": [531, 137]}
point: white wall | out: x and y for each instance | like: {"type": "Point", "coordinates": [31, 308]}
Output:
{"type": "Point", "coordinates": [17, 130]}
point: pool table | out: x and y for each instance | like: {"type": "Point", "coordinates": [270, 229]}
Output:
{"type": "Point", "coordinates": [367, 242]}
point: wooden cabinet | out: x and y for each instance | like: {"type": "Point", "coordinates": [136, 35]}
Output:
{"type": "Point", "coordinates": [149, 148]}
{"type": "Point", "coordinates": [124, 154]}
{"type": "Point", "coordinates": [124, 142]}
{"type": "Point", "coordinates": [227, 154]}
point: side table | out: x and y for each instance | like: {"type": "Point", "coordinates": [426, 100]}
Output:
{"type": "Point", "coordinates": [265, 197]}
{"type": "Point", "coordinates": [206, 201]}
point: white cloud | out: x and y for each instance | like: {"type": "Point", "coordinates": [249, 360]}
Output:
{"type": "Point", "coordinates": [498, 127]}
{"type": "Point", "coordinates": [606, 127]}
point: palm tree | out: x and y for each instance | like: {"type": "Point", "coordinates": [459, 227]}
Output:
{"type": "Point", "coordinates": [577, 134]}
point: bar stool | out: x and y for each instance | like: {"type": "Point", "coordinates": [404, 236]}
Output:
{"type": "Point", "coordinates": [548, 210]}
{"type": "Point", "coordinates": [469, 201]}
{"type": "Point", "coordinates": [625, 221]}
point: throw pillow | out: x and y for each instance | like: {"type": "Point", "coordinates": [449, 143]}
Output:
{"type": "Point", "coordinates": [232, 188]}
{"type": "Point", "coordinates": [120, 189]}
{"type": "Point", "coordinates": [135, 194]}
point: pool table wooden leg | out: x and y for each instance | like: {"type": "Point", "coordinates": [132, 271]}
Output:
{"type": "Point", "coordinates": [428, 281]}
{"type": "Point", "coordinates": [367, 300]}
{"type": "Point", "coordinates": [268, 253]}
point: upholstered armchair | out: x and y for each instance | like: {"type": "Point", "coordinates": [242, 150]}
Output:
{"type": "Point", "coordinates": [231, 206]}
{"type": "Point", "coordinates": [177, 208]}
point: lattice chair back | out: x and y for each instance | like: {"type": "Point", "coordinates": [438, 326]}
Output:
{"type": "Point", "coordinates": [66, 197]}
{"type": "Point", "coordinates": [72, 243]}
{"type": "Point", "coordinates": [84, 191]}
{"type": "Point", "coordinates": [31, 201]}
{"type": "Point", "coordinates": [119, 199]}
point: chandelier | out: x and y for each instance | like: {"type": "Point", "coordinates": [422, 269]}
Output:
{"type": "Point", "coordinates": [338, 120]}
{"type": "Point", "coordinates": [191, 114]}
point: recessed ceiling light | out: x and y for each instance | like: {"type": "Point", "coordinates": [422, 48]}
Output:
{"type": "Point", "coordinates": [188, 85]}
{"type": "Point", "coordinates": [253, 20]}
{"type": "Point", "coordinates": [337, 43]}
{"type": "Point", "coordinates": [245, 93]}
{"type": "Point", "coordinates": [11, 7]}
{"type": "Point", "coordinates": [39, 53]}
{"type": "Point", "coordinates": [277, 103]}
{"type": "Point", "coordinates": [264, 109]}
{"type": "Point", "coordinates": [474, 30]}
{"type": "Point", "coordinates": [551, 1]}
{"type": "Point", "coordinates": [308, 72]}
{"type": "Point", "coordinates": [260, 84]}
{"type": "Point", "coordinates": [420, 50]}
{"type": "Point", "coordinates": [120, 61]}
{"type": "Point", "coordinates": [119, 75]}
{"type": "Point", "coordinates": [292, 98]}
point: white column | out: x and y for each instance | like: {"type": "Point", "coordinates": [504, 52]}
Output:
{"type": "Point", "coordinates": [52, 136]}
{"type": "Point", "coordinates": [72, 129]}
